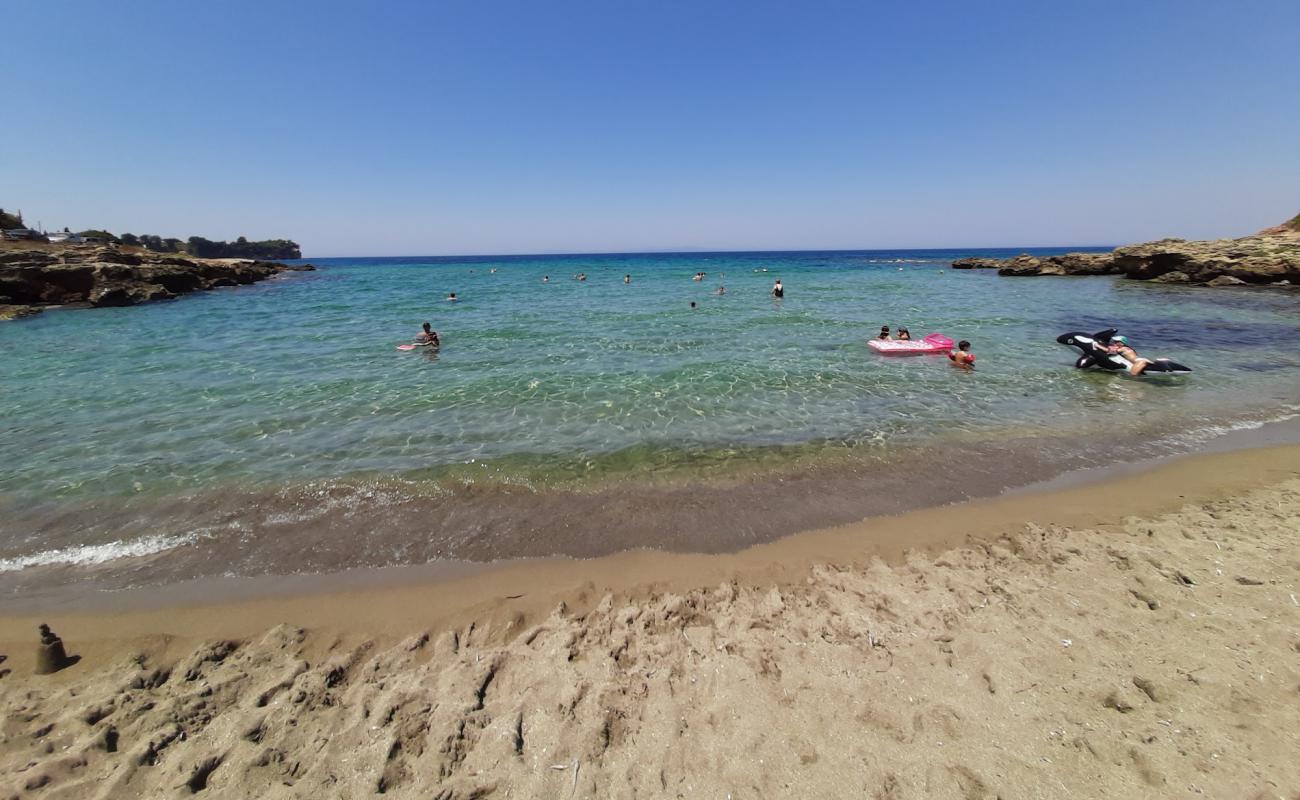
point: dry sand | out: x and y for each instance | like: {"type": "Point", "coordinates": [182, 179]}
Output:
{"type": "Point", "coordinates": [1136, 638]}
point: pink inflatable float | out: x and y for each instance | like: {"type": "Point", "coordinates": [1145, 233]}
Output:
{"type": "Point", "coordinates": [934, 343]}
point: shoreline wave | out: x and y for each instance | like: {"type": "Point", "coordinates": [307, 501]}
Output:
{"type": "Point", "coordinates": [88, 555]}
{"type": "Point", "coordinates": [325, 528]}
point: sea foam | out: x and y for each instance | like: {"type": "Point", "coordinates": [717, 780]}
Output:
{"type": "Point", "coordinates": [92, 554]}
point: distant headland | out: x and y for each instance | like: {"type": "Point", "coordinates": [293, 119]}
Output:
{"type": "Point", "coordinates": [15, 229]}
{"type": "Point", "coordinates": [86, 269]}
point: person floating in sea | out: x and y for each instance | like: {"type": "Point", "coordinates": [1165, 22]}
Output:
{"type": "Point", "coordinates": [699, 276]}
{"type": "Point", "coordinates": [778, 291]}
{"type": "Point", "coordinates": [721, 290]}
{"type": "Point", "coordinates": [428, 336]}
{"type": "Point", "coordinates": [884, 334]}
{"type": "Point", "coordinates": [1119, 346]}
{"type": "Point", "coordinates": [627, 279]}
{"type": "Point", "coordinates": [546, 279]}
{"type": "Point", "coordinates": [962, 357]}
{"type": "Point", "coordinates": [904, 335]}
{"type": "Point", "coordinates": [451, 298]}
{"type": "Point", "coordinates": [693, 306]}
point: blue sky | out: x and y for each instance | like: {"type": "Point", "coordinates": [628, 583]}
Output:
{"type": "Point", "coordinates": [395, 128]}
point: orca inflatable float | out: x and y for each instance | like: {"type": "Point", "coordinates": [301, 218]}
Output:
{"type": "Point", "coordinates": [1095, 354]}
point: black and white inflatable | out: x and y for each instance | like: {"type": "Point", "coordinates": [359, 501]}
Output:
{"type": "Point", "coordinates": [1095, 354]}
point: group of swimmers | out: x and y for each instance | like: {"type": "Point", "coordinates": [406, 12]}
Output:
{"type": "Point", "coordinates": [961, 357]}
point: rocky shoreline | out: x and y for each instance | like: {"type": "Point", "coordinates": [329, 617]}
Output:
{"type": "Point", "coordinates": [1268, 258]}
{"type": "Point", "coordinates": [33, 278]}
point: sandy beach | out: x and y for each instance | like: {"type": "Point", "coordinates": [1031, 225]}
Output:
{"type": "Point", "coordinates": [1134, 637]}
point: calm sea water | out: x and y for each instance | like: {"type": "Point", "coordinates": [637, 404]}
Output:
{"type": "Point", "coordinates": [277, 428]}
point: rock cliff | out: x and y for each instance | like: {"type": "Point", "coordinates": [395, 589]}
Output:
{"type": "Point", "coordinates": [36, 277]}
{"type": "Point", "coordinates": [1270, 257]}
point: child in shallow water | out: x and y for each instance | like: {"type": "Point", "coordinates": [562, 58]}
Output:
{"type": "Point", "coordinates": [962, 356]}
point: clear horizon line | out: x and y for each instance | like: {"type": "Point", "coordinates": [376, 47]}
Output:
{"type": "Point", "coordinates": [693, 251]}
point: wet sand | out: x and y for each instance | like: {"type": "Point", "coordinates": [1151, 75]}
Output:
{"type": "Point", "coordinates": [360, 527]}
{"type": "Point", "coordinates": [1134, 637]}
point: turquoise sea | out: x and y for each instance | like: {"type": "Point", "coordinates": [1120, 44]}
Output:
{"type": "Point", "coordinates": [276, 428]}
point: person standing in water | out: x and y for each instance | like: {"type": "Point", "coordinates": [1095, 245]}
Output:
{"type": "Point", "coordinates": [627, 279]}
{"type": "Point", "coordinates": [962, 356]}
{"type": "Point", "coordinates": [427, 336]}
{"type": "Point", "coordinates": [778, 291]}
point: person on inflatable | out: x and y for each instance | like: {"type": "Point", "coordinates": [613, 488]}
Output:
{"type": "Point", "coordinates": [884, 334]}
{"type": "Point", "coordinates": [904, 335]}
{"type": "Point", "coordinates": [1119, 346]}
{"type": "Point", "coordinates": [962, 356]}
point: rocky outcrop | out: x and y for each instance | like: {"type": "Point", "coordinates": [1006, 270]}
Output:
{"type": "Point", "coordinates": [1068, 264]}
{"type": "Point", "coordinates": [35, 278]}
{"type": "Point", "coordinates": [978, 263]}
{"type": "Point", "coordinates": [1265, 258]}
{"type": "Point", "coordinates": [1268, 258]}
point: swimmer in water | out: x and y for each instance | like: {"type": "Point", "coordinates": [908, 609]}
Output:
{"type": "Point", "coordinates": [427, 336]}
{"type": "Point", "coordinates": [962, 357]}
{"type": "Point", "coordinates": [451, 298]}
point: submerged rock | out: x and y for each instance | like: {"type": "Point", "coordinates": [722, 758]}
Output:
{"type": "Point", "coordinates": [33, 278]}
{"type": "Point", "coordinates": [977, 263]}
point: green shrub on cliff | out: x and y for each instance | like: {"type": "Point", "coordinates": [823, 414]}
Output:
{"type": "Point", "coordinates": [242, 248]}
